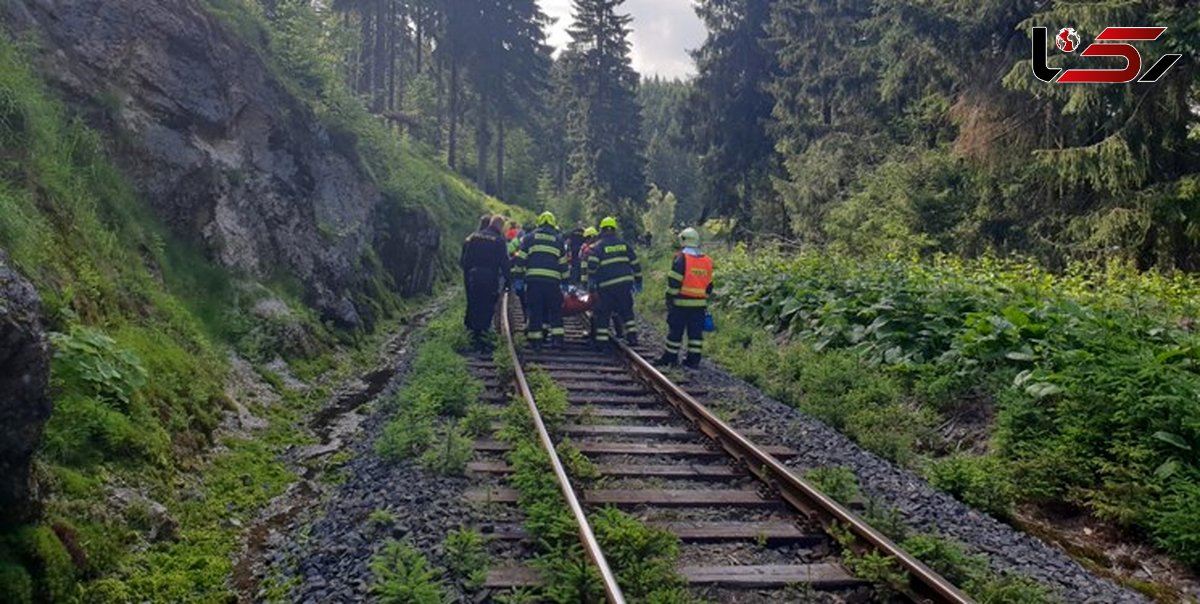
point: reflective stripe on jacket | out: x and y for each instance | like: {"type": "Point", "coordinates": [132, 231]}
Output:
{"type": "Point", "coordinates": [543, 257]}
{"type": "Point", "coordinates": [612, 262]}
{"type": "Point", "coordinates": [690, 282]}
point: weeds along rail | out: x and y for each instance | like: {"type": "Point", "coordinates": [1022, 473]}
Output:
{"type": "Point", "coordinates": [749, 529]}
{"type": "Point", "coordinates": [587, 538]}
{"type": "Point", "coordinates": [924, 583]}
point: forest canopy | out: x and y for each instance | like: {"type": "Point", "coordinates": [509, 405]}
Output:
{"type": "Point", "coordinates": [876, 127]}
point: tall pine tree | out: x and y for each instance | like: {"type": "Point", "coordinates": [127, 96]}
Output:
{"type": "Point", "coordinates": [604, 121]}
{"type": "Point", "coordinates": [729, 107]}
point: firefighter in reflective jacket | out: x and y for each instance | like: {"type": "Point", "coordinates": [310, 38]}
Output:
{"type": "Point", "coordinates": [542, 270]}
{"type": "Point", "coordinates": [615, 273]}
{"type": "Point", "coordinates": [689, 285]}
{"type": "Point", "coordinates": [590, 235]}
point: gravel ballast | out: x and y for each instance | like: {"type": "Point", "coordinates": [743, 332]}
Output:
{"type": "Point", "coordinates": [922, 507]}
{"type": "Point", "coordinates": [324, 553]}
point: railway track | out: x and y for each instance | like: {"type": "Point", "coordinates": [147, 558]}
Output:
{"type": "Point", "coordinates": [751, 530]}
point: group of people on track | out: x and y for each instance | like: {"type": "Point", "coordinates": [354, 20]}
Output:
{"type": "Point", "coordinates": [544, 266]}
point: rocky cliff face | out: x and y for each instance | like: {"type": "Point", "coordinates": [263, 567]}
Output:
{"type": "Point", "coordinates": [220, 150]}
{"type": "Point", "coordinates": [24, 406]}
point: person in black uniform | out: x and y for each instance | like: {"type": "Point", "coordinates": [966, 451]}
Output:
{"type": "Point", "coordinates": [575, 241]}
{"type": "Point", "coordinates": [542, 273]}
{"type": "Point", "coordinates": [615, 273]}
{"type": "Point", "coordinates": [485, 269]}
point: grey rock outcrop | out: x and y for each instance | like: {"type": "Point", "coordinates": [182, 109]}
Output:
{"type": "Point", "coordinates": [222, 152]}
{"type": "Point", "coordinates": [24, 404]}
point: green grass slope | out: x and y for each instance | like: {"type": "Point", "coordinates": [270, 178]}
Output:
{"type": "Point", "coordinates": [142, 327]}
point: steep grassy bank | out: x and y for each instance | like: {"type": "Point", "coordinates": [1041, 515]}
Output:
{"type": "Point", "coordinates": [140, 504]}
{"type": "Point", "coordinates": [1001, 382]}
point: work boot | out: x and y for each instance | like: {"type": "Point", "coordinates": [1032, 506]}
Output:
{"type": "Point", "coordinates": [667, 360]}
{"type": "Point", "coordinates": [631, 339]}
{"type": "Point", "coordinates": [692, 362]}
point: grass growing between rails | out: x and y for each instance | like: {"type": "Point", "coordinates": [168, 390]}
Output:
{"type": "Point", "coordinates": [642, 558]}
{"type": "Point", "coordinates": [1087, 380]}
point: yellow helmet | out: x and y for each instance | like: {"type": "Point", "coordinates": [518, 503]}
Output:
{"type": "Point", "coordinates": [590, 232]}
{"type": "Point", "coordinates": [547, 219]}
{"type": "Point", "coordinates": [608, 223]}
{"type": "Point", "coordinates": [689, 237]}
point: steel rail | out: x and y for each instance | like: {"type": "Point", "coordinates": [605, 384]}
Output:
{"type": "Point", "coordinates": [925, 584]}
{"type": "Point", "coordinates": [591, 546]}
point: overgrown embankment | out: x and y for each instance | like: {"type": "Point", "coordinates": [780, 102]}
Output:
{"type": "Point", "coordinates": [193, 273]}
{"type": "Point", "coordinates": [1003, 382]}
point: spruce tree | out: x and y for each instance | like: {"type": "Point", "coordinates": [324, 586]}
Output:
{"type": "Point", "coordinates": [729, 107]}
{"type": "Point", "coordinates": [604, 120]}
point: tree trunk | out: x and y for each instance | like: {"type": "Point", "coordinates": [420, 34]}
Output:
{"type": "Point", "coordinates": [381, 35]}
{"type": "Point", "coordinates": [500, 157]}
{"type": "Point", "coordinates": [394, 37]}
{"type": "Point", "coordinates": [420, 24]}
{"type": "Point", "coordinates": [452, 134]}
{"type": "Point", "coordinates": [364, 54]}
{"type": "Point", "coordinates": [482, 136]}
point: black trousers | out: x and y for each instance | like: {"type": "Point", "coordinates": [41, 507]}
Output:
{"type": "Point", "coordinates": [616, 301]}
{"type": "Point", "coordinates": [483, 289]}
{"type": "Point", "coordinates": [690, 320]}
{"type": "Point", "coordinates": [543, 307]}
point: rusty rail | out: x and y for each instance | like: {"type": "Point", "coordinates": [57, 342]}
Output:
{"type": "Point", "coordinates": [587, 538]}
{"type": "Point", "coordinates": [924, 583]}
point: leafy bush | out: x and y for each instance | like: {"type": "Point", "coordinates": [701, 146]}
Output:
{"type": "Point", "coordinates": [1093, 371]}
{"type": "Point", "coordinates": [405, 437]}
{"type": "Point", "coordinates": [466, 557]}
{"type": "Point", "coordinates": [450, 456]}
{"type": "Point", "coordinates": [1176, 522]}
{"type": "Point", "coordinates": [643, 558]}
{"type": "Point", "coordinates": [551, 398]}
{"type": "Point", "coordinates": [404, 576]}
{"type": "Point", "coordinates": [838, 482]}
{"type": "Point", "coordinates": [440, 382]}
{"type": "Point", "coordinates": [971, 573]}
{"type": "Point", "coordinates": [90, 363]}
{"type": "Point", "coordinates": [477, 421]}
{"type": "Point", "coordinates": [982, 482]}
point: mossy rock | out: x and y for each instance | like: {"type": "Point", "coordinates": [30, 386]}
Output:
{"type": "Point", "coordinates": [16, 586]}
{"type": "Point", "coordinates": [50, 563]}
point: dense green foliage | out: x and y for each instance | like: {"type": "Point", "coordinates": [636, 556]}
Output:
{"type": "Point", "coordinates": [1093, 373]}
{"type": "Point", "coordinates": [919, 126]}
{"type": "Point", "coordinates": [670, 165]}
{"type": "Point", "coordinates": [432, 412]}
{"type": "Point", "coordinates": [403, 576]}
{"type": "Point", "coordinates": [141, 325]}
{"type": "Point", "coordinates": [728, 110]}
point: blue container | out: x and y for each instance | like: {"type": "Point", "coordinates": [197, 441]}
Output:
{"type": "Point", "coordinates": [709, 324]}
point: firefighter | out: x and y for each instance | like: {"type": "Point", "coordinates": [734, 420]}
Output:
{"type": "Point", "coordinates": [590, 235]}
{"type": "Point", "coordinates": [689, 285]}
{"type": "Point", "coordinates": [574, 243]}
{"type": "Point", "coordinates": [542, 273]}
{"type": "Point", "coordinates": [616, 275]}
{"type": "Point", "coordinates": [485, 268]}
